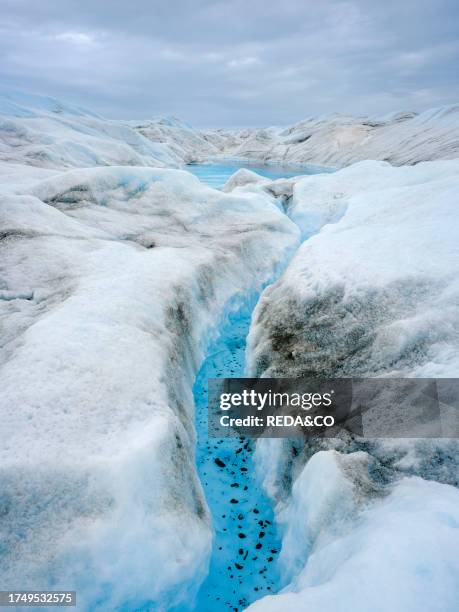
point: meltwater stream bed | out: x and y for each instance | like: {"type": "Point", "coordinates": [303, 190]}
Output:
{"type": "Point", "coordinates": [243, 565]}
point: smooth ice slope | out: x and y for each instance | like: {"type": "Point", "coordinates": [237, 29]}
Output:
{"type": "Point", "coordinates": [112, 280]}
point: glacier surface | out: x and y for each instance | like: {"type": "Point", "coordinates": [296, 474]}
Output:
{"type": "Point", "coordinates": [373, 291]}
{"type": "Point", "coordinates": [338, 140]}
{"type": "Point", "coordinates": [351, 546]}
{"type": "Point", "coordinates": [116, 271]}
{"type": "Point", "coordinates": [44, 132]}
{"type": "Point", "coordinates": [112, 282]}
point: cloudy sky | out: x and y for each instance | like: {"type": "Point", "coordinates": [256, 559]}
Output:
{"type": "Point", "coordinates": [233, 62]}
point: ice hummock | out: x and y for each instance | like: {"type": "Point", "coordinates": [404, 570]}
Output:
{"type": "Point", "coordinates": [380, 267]}
{"type": "Point", "coordinates": [44, 132]}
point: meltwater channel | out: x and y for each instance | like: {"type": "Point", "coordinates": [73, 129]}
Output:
{"type": "Point", "coordinates": [243, 565]}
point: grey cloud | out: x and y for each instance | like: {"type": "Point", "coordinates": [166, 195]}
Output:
{"type": "Point", "coordinates": [233, 62]}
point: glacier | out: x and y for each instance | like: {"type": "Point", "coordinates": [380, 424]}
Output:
{"type": "Point", "coordinates": [398, 303]}
{"type": "Point", "coordinates": [47, 133]}
{"type": "Point", "coordinates": [338, 139]}
{"type": "Point", "coordinates": [123, 281]}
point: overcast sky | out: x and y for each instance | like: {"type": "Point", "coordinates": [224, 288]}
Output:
{"type": "Point", "coordinates": [233, 62]}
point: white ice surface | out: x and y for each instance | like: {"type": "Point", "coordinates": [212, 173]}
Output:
{"type": "Point", "coordinates": [112, 280]}
{"type": "Point", "coordinates": [374, 291]}
{"type": "Point", "coordinates": [187, 144]}
{"type": "Point", "coordinates": [350, 549]}
{"type": "Point", "coordinates": [389, 236]}
{"type": "Point", "coordinates": [242, 178]}
{"type": "Point", "coordinates": [338, 140]}
{"type": "Point", "coordinates": [46, 133]}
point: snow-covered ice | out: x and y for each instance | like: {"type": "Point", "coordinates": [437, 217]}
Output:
{"type": "Point", "coordinates": [44, 132]}
{"type": "Point", "coordinates": [188, 144]}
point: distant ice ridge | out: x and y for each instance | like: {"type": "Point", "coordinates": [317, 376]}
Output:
{"type": "Point", "coordinates": [44, 132]}
{"type": "Point", "coordinates": [374, 291]}
{"type": "Point", "coordinates": [339, 140]}
{"type": "Point", "coordinates": [188, 144]}
{"type": "Point", "coordinates": [112, 280]}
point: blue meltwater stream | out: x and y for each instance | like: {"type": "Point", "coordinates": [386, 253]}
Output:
{"type": "Point", "coordinates": [243, 566]}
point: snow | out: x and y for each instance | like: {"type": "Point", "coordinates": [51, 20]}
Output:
{"type": "Point", "coordinates": [350, 545]}
{"type": "Point", "coordinates": [113, 279]}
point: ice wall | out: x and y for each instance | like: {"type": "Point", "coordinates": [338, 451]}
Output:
{"type": "Point", "coordinates": [380, 277]}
